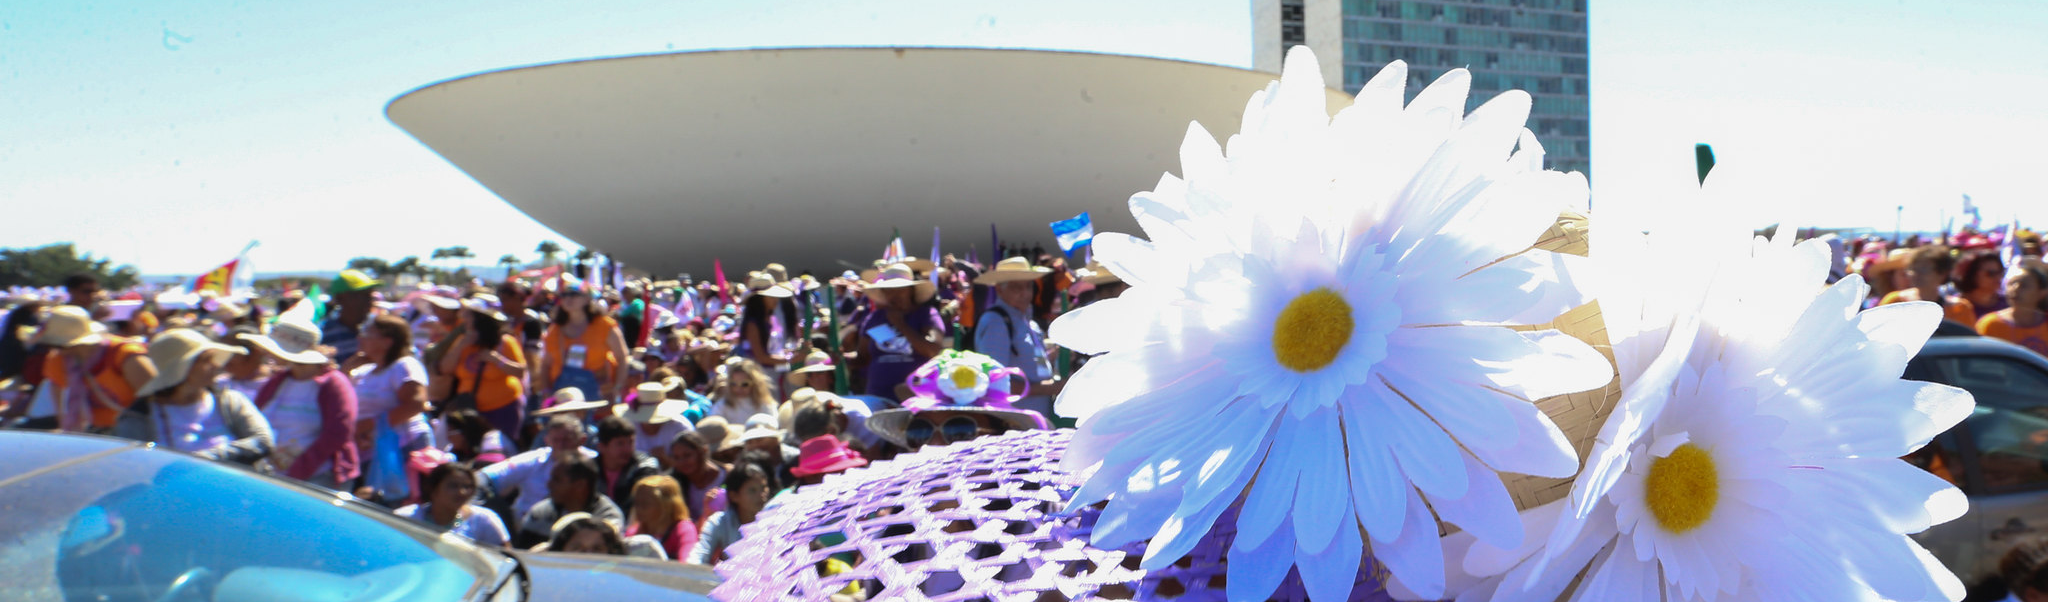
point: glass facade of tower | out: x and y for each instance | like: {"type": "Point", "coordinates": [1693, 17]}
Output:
{"type": "Point", "coordinates": [1538, 46]}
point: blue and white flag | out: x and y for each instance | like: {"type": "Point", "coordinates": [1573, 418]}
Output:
{"type": "Point", "coordinates": [1074, 233]}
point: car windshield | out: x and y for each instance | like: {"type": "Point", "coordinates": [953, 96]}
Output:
{"type": "Point", "coordinates": [160, 527]}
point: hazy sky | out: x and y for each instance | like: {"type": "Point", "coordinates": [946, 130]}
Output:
{"type": "Point", "coordinates": [169, 134]}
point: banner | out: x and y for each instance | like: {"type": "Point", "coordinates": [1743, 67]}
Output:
{"type": "Point", "coordinates": [1074, 233]}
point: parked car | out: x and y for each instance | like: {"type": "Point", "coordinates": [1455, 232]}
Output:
{"type": "Point", "coordinates": [1998, 456]}
{"type": "Point", "coordinates": [101, 519]}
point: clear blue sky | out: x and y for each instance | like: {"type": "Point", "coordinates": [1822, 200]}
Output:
{"type": "Point", "coordinates": [168, 134]}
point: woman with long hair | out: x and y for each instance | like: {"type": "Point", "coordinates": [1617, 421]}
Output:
{"type": "Point", "coordinates": [447, 493]}
{"type": "Point", "coordinates": [747, 392]}
{"type": "Point", "coordinates": [659, 512]}
{"type": "Point", "coordinates": [690, 464]}
{"type": "Point", "coordinates": [391, 401]}
{"type": "Point", "coordinates": [768, 323]}
{"type": "Point", "coordinates": [487, 365]}
{"type": "Point", "coordinates": [581, 533]}
{"type": "Point", "coordinates": [747, 487]}
{"type": "Point", "coordinates": [182, 409]}
{"type": "Point", "coordinates": [583, 347]}
{"type": "Point", "coordinates": [1980, 277]}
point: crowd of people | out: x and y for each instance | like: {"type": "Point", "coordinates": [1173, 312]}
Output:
{"type": "Point", "coordinates": [652, 419]}
{"type": "Point", "coordinates": [1993, 285]}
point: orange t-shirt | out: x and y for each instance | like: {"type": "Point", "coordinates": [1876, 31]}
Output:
{"type": "Point", "coordinates": [597, 349]}
{"type": "Point", "coordinates": [1953, 309]}
{"type": "Point", "coordinates": [1999, 324]}
{"type": "Point", "coordinates": [109, 377]}
{"type": "Point", "coordinates": [497, 388]}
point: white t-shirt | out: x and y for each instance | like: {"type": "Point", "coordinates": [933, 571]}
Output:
{"type": "Point", "coordinates": [193, 427]}
{"type": "Point", "coordinates": [481, 526]}
{"type": "Point", "coordinates": [294, 414]}
{"type": "Point", "coordinates": [657, 443]}
{"type": "Point", "coordinates": [377, 390]}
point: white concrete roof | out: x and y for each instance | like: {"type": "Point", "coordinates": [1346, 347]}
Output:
{"type": "Point", "coordinates": [811, 156]}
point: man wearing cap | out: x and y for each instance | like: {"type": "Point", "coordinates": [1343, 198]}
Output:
{"type": "Point", "coordinates": [1006, 332]}
{"type": "Point", "coordinates": [91, 376]}
{"type": "Point", "coordinates": [351, 292]}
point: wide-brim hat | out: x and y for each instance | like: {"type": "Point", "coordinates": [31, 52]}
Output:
{"type": "Point", "coordinates": [487, 305]}
{"type": "Point", "coordinates": [292, 341]}
{"type": "Point", "coordinates": [816, 361]}
{"type": "Point", "coordinates": [651, 412]}
{"type": "Point", "coordinates": [761, 426]}
{"type": "Point", "coordinates": [916, 265]}
{"type": "Point", "coordinates": [899, 275]}
{"type": "Point", "coordinates": [1096, 274]}
{"type": "Point", "coordinates": [173, 353]}
{"type": "Point", "coordinates": [570, 399]}
{"type": "Point", "coordinates": [68, 325]}
{"type": "Point", "coordinates": [764, 284]}
{"type": "Point", "coordinates": [1012, 270]}
{"type": "Point", "coordinates": [718, 433]}
{"type": "Point", "coordinates": [825, 454]}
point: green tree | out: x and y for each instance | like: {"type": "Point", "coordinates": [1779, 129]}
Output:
{"type": "Point", "coordinates": [583, 258]}
{"type": "Point", "coordinates": [509, 262]}
{"type": "Point", "coordinates": [549, 250]}
{"type": "Point", "coordinates": [50, 265]}
{"type": "Point", "coordinates": [461, 255]}
{"type": "Point", "coordinates": [409, 265]}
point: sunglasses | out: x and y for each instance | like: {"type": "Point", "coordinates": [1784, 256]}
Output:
{"type": "Point", "coordinates": [955, 430]}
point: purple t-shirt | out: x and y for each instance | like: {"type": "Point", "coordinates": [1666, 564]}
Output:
{"type": "Point", "coordinates": [894, 360]}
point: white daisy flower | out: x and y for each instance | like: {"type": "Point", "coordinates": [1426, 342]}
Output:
{"type": "Point", "coordinates": [963, 380]}
{"type": "Point", "coordinates": [1755, 453]}
{"type": "Point", "coordinates": [1316, 325]}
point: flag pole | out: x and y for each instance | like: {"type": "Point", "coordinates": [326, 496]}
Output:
{"type": "Point", "coordinates": [839, 379]}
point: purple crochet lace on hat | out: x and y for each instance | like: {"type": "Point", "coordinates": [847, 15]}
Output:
{"type": "Point", "coordinates": [973, 521]}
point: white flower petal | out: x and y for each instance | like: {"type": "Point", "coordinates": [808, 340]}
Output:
{"type": "Point", "coordinates": [1904, 324]}
{"type": "Point", "coordinates": [1322, 505]}
{"type": "Point", "coordinates": [1485, 511]}
{"type": "Point", "coordinates": [1416, 558]}
{"type": "Point", "coordinates": [1376, 482]}
{"type": "Point", "coordinates": [1538, 449]}
{"type": "Point", "coordinates": [1253, 572]}
{"type": "Point", "coordinates": [1332, 573]}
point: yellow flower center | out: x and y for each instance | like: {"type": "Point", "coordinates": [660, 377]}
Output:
{"type": "Point", "coordinates": [1682, 489]}
{"type": "Point", "coordinates": [1312, 330]}
{"type": "Point", "coordinates": [964, 377]}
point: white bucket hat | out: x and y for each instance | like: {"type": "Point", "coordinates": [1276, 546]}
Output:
{"type": "Point", "coordinates": [173, 353]}
{"type": "Point", "coordinates": [291, 340]}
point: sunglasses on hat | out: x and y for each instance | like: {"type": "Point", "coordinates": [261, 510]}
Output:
{"type": "Point", "coordinates": [955, 430]}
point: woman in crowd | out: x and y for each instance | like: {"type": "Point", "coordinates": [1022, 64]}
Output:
{"type": "Point", "coordinates": [747, 490]}
{"type": "Point", "coordinates": [1980, 278]}
{"type": "Point", "coordinates": [747, 392]}
{"type": "Point", "coordinates": [899, 333]}
{"type": "Point", "coordinates": [690, 464]}
{"type": "Point", "coordinates": [449, 490]}
{"type": "Point", "coordinates": [768, 325]}
{"type": "Point", "coordinates": [184, 410]}
{"type": "Point", "coordinates": [391, 395]}
{"type": "Point", "coordinates": [581, 533]}
{"type": "Point", "coordinates": [1927, 270]}
{"type": "Point", "coordinates": [470, 438]}
{"type": "Point", "coordinates": [245, 372]}
{"type": "Point", "coordinates": [583, 347]}
{"type": "Point", "coordinates": [91, 376]}
{"type": "Point", "coordinates": [487, 365]}
{"type": "Point", "coordinates": [2026, 322]}
{"type": "Point", "coordinates": [14, 348]}
{"type": "Point", "coordinates": [659, 512]}
{"type": "Point", "coordinates": [311, 407]}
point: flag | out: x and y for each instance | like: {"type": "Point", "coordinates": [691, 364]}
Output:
{"type": "Point", "coordinates": [718, 275]}
{"type": "Point", "coordinates": [2009, 249]}
{"type": "Point", "coordinates": [224, 280]}
{"type": "Point", "coordinates": [1970, 209]}
{"type": "Point", "coordinates": [219, 281]}
{"type": "Point", "coordinates": [935, 254]}
{"type": "Point", "coordinates": [995, 245]}
{"type": "Point", "coordinates": [894, 253]}
{"type": "Point", "coordinates": [1073, 233]}
{"type": "Point", "coordinates": [319, 306]}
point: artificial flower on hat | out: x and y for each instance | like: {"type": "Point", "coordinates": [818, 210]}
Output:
{"type": "Point", "coordinates": [1317, 326]}
{"type": "Point", "coordinates": [958, 378]}
{"type": "Point", "coordinates": [1754, 454]}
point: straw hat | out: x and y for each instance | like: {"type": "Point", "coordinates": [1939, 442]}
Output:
{"type": "Point", "coordinates": [817, 361]}
{"type": "Point", "coordinates": [69, 325]}
{"type": "Point", "coordinates": [718, 433]}
{"type": "Point", "coordinates": [291, 339]}
{"type": "Point", "coordinates": [651, 405]}
{"type": "Point", "coordinates": [764, 284]}
{"type": "Point", "coordinates": [899, 275]}
{"type": "Point", "coordinates": [569, 399]}
{"type": "Point", "coordinates": [1012, 270]}
{"type": "Point", "coordinates": [485, 304]}
{"type": "Point", "coordinates": [1579, 415]}
{"type": "Point", "coordinates": [921, 266]}
{"type": "Point", "coordinates": [775, 270]}
{"type": "Point", "coordinates": [173, 353]}
{"type": "Point", "coordinates": [760, 426]}
{"type": "Point", "coordinates": [1096, 274]}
